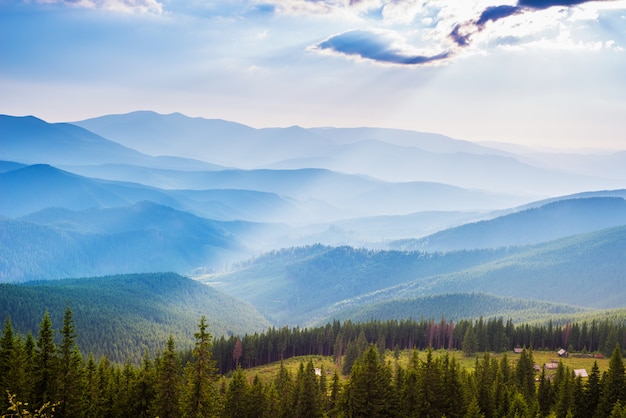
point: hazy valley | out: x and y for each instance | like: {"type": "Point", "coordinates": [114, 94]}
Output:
{"type": "Point", "coordinates": [311, 225]}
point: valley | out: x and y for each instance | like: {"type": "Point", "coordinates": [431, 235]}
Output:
{"type": "Point", "coordinates": [298, 249]}
{"type": "Point", "coordinates": [314, 232]}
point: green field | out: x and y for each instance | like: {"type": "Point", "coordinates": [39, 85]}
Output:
{"type": "Point", "coordinates": [267, 372]}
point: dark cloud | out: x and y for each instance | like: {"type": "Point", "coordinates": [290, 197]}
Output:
{"type": "Point", "coordinates": [544, 4]}
{"type": "Point", "coordinates": [374, 46]}
{"type": "Point", "coordinates": [461, 33]}
{"type": "Point", "coordinates": [497, 12]}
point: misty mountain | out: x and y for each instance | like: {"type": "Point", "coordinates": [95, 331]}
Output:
{"type": "Point", "coordinates": [387, 154]}
{"type": "Point", "coordinates": [31, 140]}
{"type": "Point", "coordinates": [59, 243]}
{"type": "Point", "coordinates": [327, 194]}
{"type": "Point", "coordinates": [215, 140]}
{"type": "Point", "coordinates": [33, 188]}
{"type": "Point", "coordinates": [585, 270]}
{"type": "Point", "coordinates": [557, 219]}
{"type": "Point", "coordinates": [121, 316]}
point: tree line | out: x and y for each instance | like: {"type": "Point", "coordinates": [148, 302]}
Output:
{"type": "Point", "coordinates": [469, 336]}
{"type": "Point", "coordinates": [43, 378]}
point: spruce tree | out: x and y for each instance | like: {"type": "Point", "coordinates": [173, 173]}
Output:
{"type": "Point", "coordinates": [525, 375]}
{"type": "Point", "coordinates": [7, 343]}
{"type": "Point", "coordinates": [71, 378]}
{"type": "Point", "coordinates": [143, 390]}
{"type": "Point", "coordinates": [285, 386]}
{"type": "Point", "coordinates": [46, 364]}
{"type": "Point", "coordinates": [307, 403]}
{"type": "Point", "coordinates": [613, 384]}
{"type": "Point", "coordinates": [545, 394]}
{"type": "Point", "coordinates": [200, 397]}
{"type": "Point", "coordinates": [258, 401]}
{"type": "Point", "coordinates": [236, 403]}
{"type": "Point", "coordinates": [592, 391]}
{"type": "Point", "coordinates": [335, 396]}
{"type": "Point", "coordinates": [369, 390]}
{"type": "Point", "coordinates": [168, 384]}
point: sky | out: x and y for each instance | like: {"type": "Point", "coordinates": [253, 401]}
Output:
{"type": "Point", "coordinates": [548, 73]}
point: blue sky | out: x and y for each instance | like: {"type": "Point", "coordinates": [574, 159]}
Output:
{"type": "Point", "coordinates": [531, 72]}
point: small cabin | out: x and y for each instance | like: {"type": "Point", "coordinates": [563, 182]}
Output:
{"type": "Point", "coordinates": [551, 366]}
{"type": "Point", "coordinates": [562, 352]}
{"type": "Point", "coordinates": [581, 373]}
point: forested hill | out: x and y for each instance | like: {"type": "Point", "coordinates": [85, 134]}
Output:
{"type": "Point", "coordinates": [122, 315]}
{"type": "Point", "coordinates": [294, 285]}
{"type": "Point", "coordinates": [145, 237]}
{"type": "Point", "coordinates": [455, 307]}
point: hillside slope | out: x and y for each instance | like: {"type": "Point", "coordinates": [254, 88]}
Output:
{"type": "Point", "coordinates": [294, 286]}
{"type": "Point", "coordinates": [145, 237]}
{"type": "Point", "coordinates": [553, 220]}
{"type": "Point", "coordinates": [453, 307]}
{"type": "Point", "coordinates": [121, 316]}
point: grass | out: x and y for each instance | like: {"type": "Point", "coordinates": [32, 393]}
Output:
{"type": "Point", "coordinates": [268, 372]}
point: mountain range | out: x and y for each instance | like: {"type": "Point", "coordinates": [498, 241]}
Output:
{"type": "Point", "coordinates": [311, 224]}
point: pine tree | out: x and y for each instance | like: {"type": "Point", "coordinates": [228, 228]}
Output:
{"type": "Point", "coordinates": [236, 403]}
{"type": "Point", "coordinates": [545, 394]}
{"type": "Point", "coordinates": [308, 393]}
{"type": "Point", "coordinates": [618, 411]}
{"type": "Point", "coordinates": [369, 390]}
{"type": "Point", "coordinates": [565, 392]}
{"type": "Point", "coordinates": [473, 410]}
{"type": "Point", "coordinates": [593, 391]}
{"type": "Point", "coordinates": [7, 343]}
{"type": "Point", "coordinates": [143, 389]}
{"type": "Point", "coordinates": [17, 377]}
{"type": "Point", "coordinates": [285, 387]}
{"type": "Point", "coordinates": [258, 402]}
{"type": "Point", "coordinates": [200, 397]}
{"type": "Point", "coordinates": [167, 394]}
{"type": "Point", "coordinates": [613, 384]}
{"type": "Point", "coordinates": [430, 387]}
{"type": "Point", "coordinates": [71, 378]}
{"type": "Point", "coordinates": [525, 375]}
{"type": "Point", "coordinates": [91, 396]}
{"type": "Point", "coordinates": [46, 364]}
{"type": "Point", "coordinates": [335, 396]}
{"type": "Point", "coordinates": [484, 377]}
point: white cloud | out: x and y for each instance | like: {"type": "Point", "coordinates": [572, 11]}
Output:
{"type": "Point", "coordinates": [125, 6]}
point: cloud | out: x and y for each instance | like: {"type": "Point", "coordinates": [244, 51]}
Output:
{"type": "Point", "coordinates": [126, 6]}
{"type": "Point", "coordinates": [381, 46]}
{"type": "Point", "coordinates": [494, 13]}
{"type": "Point", "coordinates": [544, 4]}
{"type": "Point", "coordinates": [462, 33]}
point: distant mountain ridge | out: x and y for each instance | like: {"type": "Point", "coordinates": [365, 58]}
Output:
{"type": "Point", "coordinates": [557, 219]}
{"type": "Point", "coordinates": [31, 140]}
{"type": "Point", "coordinates": [145, 237]}
{"type": "Point", "coordinates": [32, 188]}
{"type": "Point", "coordinates": [388, 154]}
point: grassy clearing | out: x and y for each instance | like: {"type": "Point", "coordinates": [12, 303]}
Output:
{"type": "Point", "coordinates": [268, 372]}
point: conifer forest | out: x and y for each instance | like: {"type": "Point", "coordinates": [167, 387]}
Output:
{"type": "Point", "coordinates": [47, 375]}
